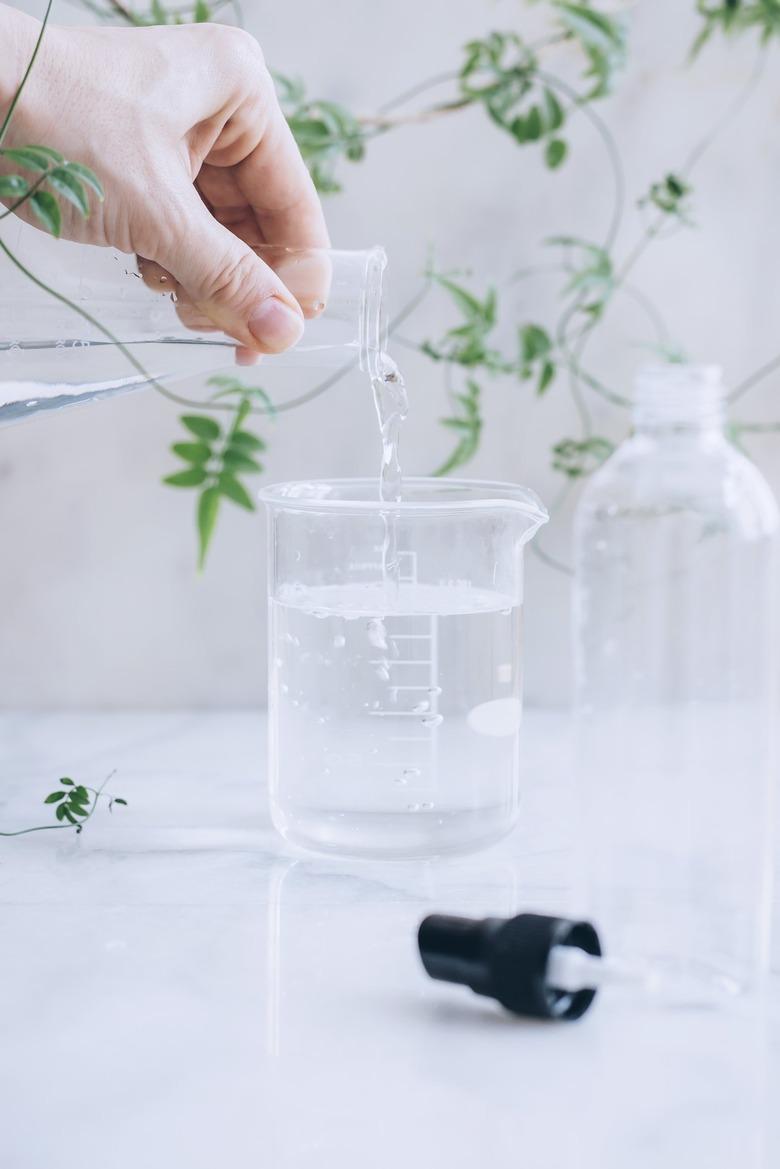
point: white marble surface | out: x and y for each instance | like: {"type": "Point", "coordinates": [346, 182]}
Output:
{"type": "Point", "coordinates": [181, 991]}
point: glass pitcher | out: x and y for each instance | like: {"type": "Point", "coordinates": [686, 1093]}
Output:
{"type": "Point", "coordinates": [53, 354]}
{"type": "Point", "coordinates": [395, 704]}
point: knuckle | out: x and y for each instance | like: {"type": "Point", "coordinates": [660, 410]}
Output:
{"type": "Point", "coordinates": [235, 282]}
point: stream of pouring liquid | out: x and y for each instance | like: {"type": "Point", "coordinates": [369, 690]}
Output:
{"type": "Point", "coordinates": [392, 405]}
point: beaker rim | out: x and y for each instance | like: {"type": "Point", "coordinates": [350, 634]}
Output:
{"type": "Point", "coordinates": [420, 494]}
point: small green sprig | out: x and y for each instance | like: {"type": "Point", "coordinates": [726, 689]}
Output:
{"type": "Point", "coordinates": [215, 462]}
{"type": "Point", "coordinates": [602, 38]}
{"type": "Point", "coordinates": [325, 131]}
{"type": "Point", "coordinates": [591, 276]}
{"type": "Point", "coordinates": [67, 180]}
{"type": "Point", "coordinates": [576, 458]}
{"type": "Point", "coordinates": [74, 804]}
{"type": "Point", "coordinates": [737, 16]}
{"type": "Point", "coordinates": [467, 422]}
{"type": "Point", "coordinates": [500, 72]}
{"type": "Point", "coordinates": [466, 343]}
{"type": "Point", "coordinates": [671, 196]}
{"type": "Point", "coordinates": [537, 357]}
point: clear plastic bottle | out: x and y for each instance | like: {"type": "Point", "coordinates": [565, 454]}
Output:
{"type": "Point", "coordinates": [674, 614]}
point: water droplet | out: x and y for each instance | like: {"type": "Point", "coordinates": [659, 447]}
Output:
{"type": "Point", "coordinates": [426, 807]}
{"type": "Point", "coordinates": [375, 704]}
{"type": "Point", "coordinates": [323, 719]}
{"type": "Point", "coordinates": [339, 641]}
{"type": "Point", "coordinates": [433, 720]}
{"type": "Point", "coordinates": [412, 807]}
{"type": "Point", "coordinates": [421, 708]}
{"type": "Point", "coordinates": [278, 662]}
{"type": "Point", "coordinates": [285, 688]}
{"type": "Point", "coordinates": [434, 690]}
{"type": "Point", "coordinates": [411, 772]}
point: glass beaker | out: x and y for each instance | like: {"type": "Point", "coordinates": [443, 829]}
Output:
{"type": "Point", "coordinates": [395, 704]}
{"type": "Point", "coordinates": [675, 598]}
{"type": "Point", "coordinates": [53, 356]}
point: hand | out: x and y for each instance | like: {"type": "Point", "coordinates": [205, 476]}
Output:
{"type": "Point", "coordinates": [183, 127]}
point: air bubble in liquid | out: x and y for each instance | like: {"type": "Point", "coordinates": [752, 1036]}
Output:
{"type": "Point", "coordinates": [421, 708]}
{"type": "Point", "coordinates": [339, 641]}
{"type": "Point", "coordinates": [412, 807]}
{"type": "Point", "coordinates": [383, 673]}
{"type": "Point", "coordinates": [433, 720]}
{"type": "Point", "coordinates": [291, 639]}
{"type": "Point", "coordinates": [434, 691]}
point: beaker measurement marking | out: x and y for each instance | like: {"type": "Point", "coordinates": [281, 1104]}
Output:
{"type": "Point", "coordinates": [399, 714]}
{"type": "Point", "coordinates": [418, 688]}
{"type": "Point", "coordinates": [388, 662]}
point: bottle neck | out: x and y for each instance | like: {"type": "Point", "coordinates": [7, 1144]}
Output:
{"type": "Point", "coordinates": [680, 399]}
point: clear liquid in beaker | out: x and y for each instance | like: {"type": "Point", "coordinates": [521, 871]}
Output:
{"type": "Point", "coordinates": [397, 716]}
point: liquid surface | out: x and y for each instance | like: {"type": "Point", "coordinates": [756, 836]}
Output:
{"type": "Point", "coordinates": [397, 724]}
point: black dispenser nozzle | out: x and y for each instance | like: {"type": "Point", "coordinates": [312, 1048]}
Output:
{"type": "Point", "coordinates": [507, 959]}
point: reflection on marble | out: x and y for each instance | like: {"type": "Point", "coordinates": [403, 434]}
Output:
{"type": "Point", "coordinates": [183, 991]}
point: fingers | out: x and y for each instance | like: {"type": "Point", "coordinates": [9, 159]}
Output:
{"type": "Point", "coordinates": [219, 278]}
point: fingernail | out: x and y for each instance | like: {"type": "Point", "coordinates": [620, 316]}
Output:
{"type": "Point", "coordinates": [275, 325]}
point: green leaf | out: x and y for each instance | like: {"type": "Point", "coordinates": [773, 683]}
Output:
{"type": "Point", "coordinates": [13, 186]}
{"type": "Point", "coordinates": [119, 800]}
{"type": "Point", "coordinates": [533, 124]}
{"type": "Point", "coordinates": [47, 209]}
{"type": "Point", "coordinates": [193, 477]}
{"type": "Point", "coordinates": [67, 782]}
{"type": "Point", "coordinates": [62, 812]}
{"type": "Point", "coordinates": [534, 342]}
{"type": "Point", "coordinates": [87, 176]}
{"type": "Point", "coordinates": [553, 112]}
{"type": "Point", "coordinates": [71, 188]}
{"type": "Point", "coordinates": [238, 461]}
{"type": "Point", "coordinates": [468, 304]}
{"type": "Point", "coordinates": [246, 441]}
{"type": "Point", "coordinates": [233, 489]}
{"type": "Point", "coordinates": [546, 377]}
{"type": "Point", "coordinates": [54, 797]}
{"type": "Point", "coordinates": [35, 158]}
{"type": "Point", "coordinates": [202, 12]}
{"type": "Point", "coordinates": [202, 426]}
{"type": "Point", "coordinates": [80, 793]}
{"type": "Point", "coordinates": [192, 452]}
{"type": "Point", "coordinates": [555, 153]}
{"type": "Point", "coordinates": [158, 13]}
{"type": "Point", "coordinates": [208, 509]}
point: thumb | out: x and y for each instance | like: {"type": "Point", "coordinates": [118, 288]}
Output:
{"type": "Point", "coordinates": [220, 278]}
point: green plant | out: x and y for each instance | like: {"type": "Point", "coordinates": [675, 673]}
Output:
{"type": "Point", "coordinates": [515, 83]}
{"type": "Point", "coordinates": [74, 805]}
{"type": "Point", "coordinates": [217, 459]}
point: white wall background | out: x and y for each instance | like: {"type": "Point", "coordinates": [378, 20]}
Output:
{"type": "Point", "coordinates": [99, 602]}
